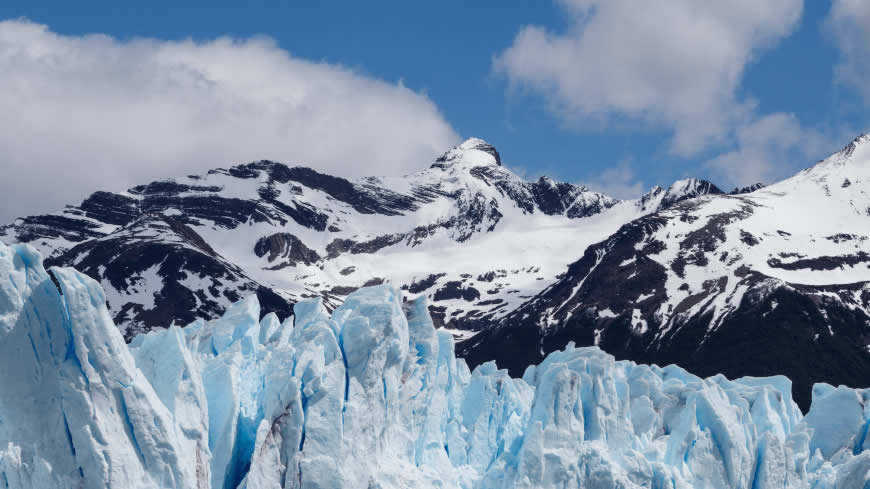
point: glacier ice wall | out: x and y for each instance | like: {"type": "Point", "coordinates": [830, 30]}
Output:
{"type": "Point", "coordinates": [373, 396]}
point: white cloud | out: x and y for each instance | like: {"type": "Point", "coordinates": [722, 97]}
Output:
{"type": "Point", "coordinates": [768, 149]}
{"type": "Point", "coordinates": [675, 64]}
{"type": "Point", "coordinates": [82, 113]}
{"type": "Point", "coordinates": [619, 181]}
{"type": "Point", "coordinates": [849, 23]}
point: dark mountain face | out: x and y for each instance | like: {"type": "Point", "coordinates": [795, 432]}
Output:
{"type": "Point", "coordinates": [809, 333]}
{"type": "Point", "coordinates": [759, 282]}
{"type": "Point", "coordinates": [175, 275]}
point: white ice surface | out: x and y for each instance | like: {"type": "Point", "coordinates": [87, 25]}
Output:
{"type": "Point", "coordinates": [373, 396]}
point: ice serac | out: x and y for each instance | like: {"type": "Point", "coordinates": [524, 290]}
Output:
{"type": "Point", "coordinates": [75, 409]}
{"type": "Point", "coordinates": [472, 151]}
{"type": "Point", "coordinates": [372, 395]}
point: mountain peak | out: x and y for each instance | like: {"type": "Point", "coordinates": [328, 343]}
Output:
{"type": "Point", "coordinates": [861, 141]}
{"type": "Point", "coordinates": [688, 188]}
{"type": "Point", "coordinates": [855, 156]}
{"type": "Point", "coordinates": [474, 151]}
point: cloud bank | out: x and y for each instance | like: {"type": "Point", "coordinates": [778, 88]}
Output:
{"type": "Point", "coordinates": [82, 113]}
{"type": "Point", "coordinates": [677, 66]}
{"type": "Point", "coordinates": [849, 24]}
{"type": "Point", "coordinates": [764, 144]}
{"type": "Point", "coordinates": [673, 64]}
{"type": "Point", "coordinates": [619, 181]}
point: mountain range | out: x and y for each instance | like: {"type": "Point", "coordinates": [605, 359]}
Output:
{"type": "Point", "coordinates": [758, 281]}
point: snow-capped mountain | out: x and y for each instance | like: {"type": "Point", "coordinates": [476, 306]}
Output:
{"type": "Point", "coordinates": [466, 232]}
{"type": "Point", "coordinates": [372, 396]}
{"type": "Point", "coordinates": [773, 281]}
{"type": "Point", "coordinates": [752, 282]}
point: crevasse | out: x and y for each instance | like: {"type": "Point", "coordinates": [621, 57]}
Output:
{"type": "Point", "coordinates": [373, 396]}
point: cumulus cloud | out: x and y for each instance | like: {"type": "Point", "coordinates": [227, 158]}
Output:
{"type": "Point", "coordinates": [81, 113]}
{"type": "Point", "coordinates": [768, 149]}
{"type": "Point", "coordinates": [849, 24]}
{"type": "Point", "coordinates": [673, 64]}
{"type": "Point", "coordinates": [619, 181]}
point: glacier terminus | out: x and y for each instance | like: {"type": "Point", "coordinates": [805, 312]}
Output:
{"type": "Point", "coordinates": [372, 396]}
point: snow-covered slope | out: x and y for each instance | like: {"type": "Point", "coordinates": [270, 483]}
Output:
{"type": "Point", "coordinates": [770, 281]}
{"type": "Point", "coordinates": [372, 396]}
{"type": "Point", "coordinates": [473, 237]}
{"type": "Point", "coordinates": [752, 282]}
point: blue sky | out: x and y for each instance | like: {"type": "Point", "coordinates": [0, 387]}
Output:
{"type": "Point", "coordinates": [786, 104]}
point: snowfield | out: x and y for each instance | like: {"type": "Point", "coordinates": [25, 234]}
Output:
{"type": "Point", "coordinates": [373, 396]}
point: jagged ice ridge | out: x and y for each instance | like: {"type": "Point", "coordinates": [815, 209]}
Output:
{"type": "Point", "coordinates": [373, 396]}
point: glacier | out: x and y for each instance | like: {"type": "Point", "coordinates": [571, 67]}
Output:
{"type": "Point", "coordinates": [372, 396]}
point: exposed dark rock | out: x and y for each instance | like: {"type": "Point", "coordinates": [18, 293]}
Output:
{"type": "Point", "coordinates": [169, 188]}
{"type": "Point", "coordinates": [53, 226]}
{"type": "Point", "coordinates": [842, 237]}
{"type": "Point", "coordinates": [455, 290]}
{"type": "Point", "coordinates": [111, 208]}
{"type": "Point", "coordinates": [747, 189]}
{"type": "Point", "coordinates": [424, 284]}
{"type": "Point", "coordinates": [373, 200]}
{"type": "Point", "coordinates": [338, 247]}
{"type": "Point", "coordinates": [822, 262]}
{"type": "Point", "coordinates": [176, 257]}
{"type": "Point", "coordinates": [342, 290]}
{"type": "Point", "coordinates": [773, 331]}
{"type": "Point", "coordinates": [748, 238]}
{"type": "Point", "coordinates": [286, 246]}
